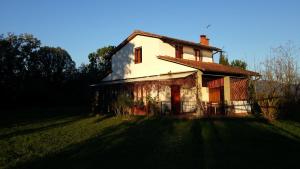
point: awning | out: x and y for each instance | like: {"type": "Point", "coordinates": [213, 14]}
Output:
{"type": "Point", "coordinates": [147, 78]}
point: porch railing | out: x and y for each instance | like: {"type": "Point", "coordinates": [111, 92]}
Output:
{"type": "Point", "coordinates": [209, 108]}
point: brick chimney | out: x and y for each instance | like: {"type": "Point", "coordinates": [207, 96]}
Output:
{"type": "Point", "coordinates": [204, 40]}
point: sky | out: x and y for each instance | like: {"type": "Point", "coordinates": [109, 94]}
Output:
{"type": "Point", "coordinates": [244, 29]}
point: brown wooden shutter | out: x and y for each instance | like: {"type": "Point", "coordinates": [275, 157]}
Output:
{"type": "Point", "coordinates": [196, 54]}
{"type": "Point", "coordinates": [179, 51]}
{"type": "Point", "coordinates": [135, 55]}
{"type": "Point", "coordinates": [138, 55]}
{"type": "Point", "coordinates": [200, 55]}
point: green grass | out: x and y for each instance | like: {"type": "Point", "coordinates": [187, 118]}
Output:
{"type": "Point", "coordinates": [150, 142]}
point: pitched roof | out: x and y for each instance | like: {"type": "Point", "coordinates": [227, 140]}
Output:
{"type": "Point", "coordinates": [165, 39]}
{"type": "Point", "coordinates": [209, 67]}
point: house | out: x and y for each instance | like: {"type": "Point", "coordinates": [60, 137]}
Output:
{"type": "Point", "coordinates": [180, 76]}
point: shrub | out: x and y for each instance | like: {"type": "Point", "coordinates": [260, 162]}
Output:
{"type": "Point", "coordinates": [122, 105]}
{"type": "Point", "coordinates": [269, 108]}
{"type": "Point", "coordinates": [153, 107]}
{"type": "Point", "coordinates": [139, 103]}
{"type": "Point", "coordinates": [279, 88]}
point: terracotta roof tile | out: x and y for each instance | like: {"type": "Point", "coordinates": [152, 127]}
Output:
{"type": "Point", "coordinates": [209, 67]}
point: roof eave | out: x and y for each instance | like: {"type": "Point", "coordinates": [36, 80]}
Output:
{"type": "Point", "coordinates": [243, 73]}
{"type": "Point", "coordinates": [191, 44]}
{"type": "Point", "coordinates": [164, 38]}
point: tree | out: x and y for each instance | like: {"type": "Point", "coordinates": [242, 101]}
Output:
{"type": "Point", "coordinates": [55, 64]}
{"type": "Point", "coordinates": [101, 59]}
{"type": "Point", "coordinates": [223, 60]}
{"type": "Point", "coordinates": [16, 53]}
{"type": "Point", "coordinates": [280, 83]}
{"type": "Point", "coordinates": [239, 63]}
{"type": "Point", "coordinates": [83, 69]}
{"type": "Point", "coordinates": [99, 63]}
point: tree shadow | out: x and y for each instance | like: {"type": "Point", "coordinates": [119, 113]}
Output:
{"type": "Point", "coordinates": [121, 62]}
{"type": "Point", "coordinates": [29, 115]}
{"type": "Point", "coordinates": [246, 143]}
{"type": "Point", "coordinates": [42, 128]}
{"type": "Point", "coordinates": [279, 129]}
{"type": "Point", "coordinates": [132, 144]}
{"type": "Point", "coordinates": [103, 117]}
{"type": "Point", "coordinates": [158, 142]}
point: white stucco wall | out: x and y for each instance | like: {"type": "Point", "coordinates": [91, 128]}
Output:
{"type": "Point", "coordinates": [206, 53]}
{"type": "Point", "coordinates": [165, 93]}
{"type": "Point", "coordinates": [123, 65]}
{"type": "Point", "coordinates": [188, 98]}
{"type": "Point", "coordinates": [205, 94]}
{"type": "Point", "coordinates": [188, 53]}
{"type": "Point", "coordinates": [207, 59]}
{"type": "Point", "coordinates": [188, 94]}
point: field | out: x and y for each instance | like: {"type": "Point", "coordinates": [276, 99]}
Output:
{"type": "Point", "coordinates": [82, 141]}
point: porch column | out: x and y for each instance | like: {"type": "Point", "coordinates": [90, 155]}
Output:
{"type": "Point", "coordinates": [199, 92]}
{"type": "Point", "coordinates": [227, 89]}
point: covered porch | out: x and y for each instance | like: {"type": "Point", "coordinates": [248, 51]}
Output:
{"type": "Point", "coordinates": [186, 93]}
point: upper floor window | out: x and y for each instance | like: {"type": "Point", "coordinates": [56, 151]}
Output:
{"type": "Point", "coordinates": [138, 55]}
{"type": "Point", "coordinates": [178, 51]}
{"type": "Point", "coordinates": [197, 55]}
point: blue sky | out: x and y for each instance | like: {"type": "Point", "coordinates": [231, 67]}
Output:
{"type": "Point", "coordinates": [244, 29]}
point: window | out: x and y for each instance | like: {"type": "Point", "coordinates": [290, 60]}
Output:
{"type": "Point", "coordinates": [138, 55]}
{"type": "Point", "coordinates": [197, 55]}
{"type": "Point", "coordinates": [178, 51]}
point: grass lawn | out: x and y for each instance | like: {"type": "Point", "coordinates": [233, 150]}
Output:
{"type": "Point", "coordinates": [150, 142]}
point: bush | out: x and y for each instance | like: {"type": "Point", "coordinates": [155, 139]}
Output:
{"type": "Point", "coordinates": [139, 104]}
{"type": "Point", "coordinates": [153, 107]}
{"type": "Point", "coordinates": [122, 105]}
{"type": "Point", "coordinates": [278, 91]}
{"type": "Point", "coordinates": [269, 108]}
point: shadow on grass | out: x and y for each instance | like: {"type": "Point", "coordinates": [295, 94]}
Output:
{"type": "Point", "coordinates": [283, 130]}
{"type": "Point", "coordinates": [142, 143]}
{"type": "Point", "coordinates": [158, 142]}
{"type": "Point", "coordinates": [42, 128]}
{"type": "Point", "coordinates": [248, 143]}
{"type": "Point", "coordinates": [103, 117]}
{"type": "Point", "coordinates": [29, 115]}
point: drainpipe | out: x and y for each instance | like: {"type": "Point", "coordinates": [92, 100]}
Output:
{"type": "Point", "coordinates": [219, 51]}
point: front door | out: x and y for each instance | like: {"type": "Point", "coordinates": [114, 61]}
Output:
{"type": "Point", "coordinates": [216, 99]}
{"type": "Point", "coordinates": [215, 95]}
{"type": "Point", "coordinates": [175, 99]}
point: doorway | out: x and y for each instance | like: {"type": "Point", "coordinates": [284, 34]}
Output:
{"type": "Point", "coordinates": [216, 95]}
{"type": "Point", "coordinates": [175, 99]}
{"type": "Point", "coordinates": [216, 101]}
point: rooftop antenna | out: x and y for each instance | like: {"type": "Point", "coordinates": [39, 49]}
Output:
{"type": "Point", "coordinates": [207, 30]}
